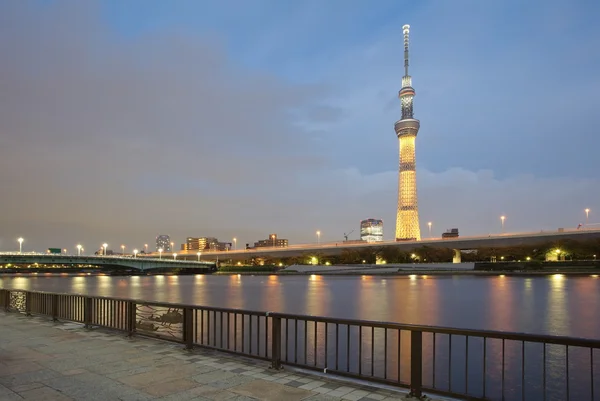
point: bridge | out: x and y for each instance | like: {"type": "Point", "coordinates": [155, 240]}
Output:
{"type": "Point", "coordinates": [456, 244]}
{"type": "Point", "coordinates": [141, 264]}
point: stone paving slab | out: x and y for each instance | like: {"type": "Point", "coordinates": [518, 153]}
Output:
{"type": "Point", "coordinates": [45, 360]}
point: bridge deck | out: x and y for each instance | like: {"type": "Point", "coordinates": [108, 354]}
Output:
{"type": "Point", "coordinates": [40, 359]}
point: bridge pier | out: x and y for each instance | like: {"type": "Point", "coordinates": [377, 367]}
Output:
{"type": "Point", "coordinates": [456, 257]}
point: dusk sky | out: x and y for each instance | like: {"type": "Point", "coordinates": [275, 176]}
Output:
{"type": "Point", "coordinates": [123, 120]}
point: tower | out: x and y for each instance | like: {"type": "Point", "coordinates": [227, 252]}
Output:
{"type": "Point", "coordinates": [407, 217]}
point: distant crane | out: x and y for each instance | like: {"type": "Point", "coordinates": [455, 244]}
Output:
{"type": "Point", "coordinates": [346, 235]}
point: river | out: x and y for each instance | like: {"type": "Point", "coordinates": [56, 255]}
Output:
{"type": "Point", "coordinates": [555, 304]}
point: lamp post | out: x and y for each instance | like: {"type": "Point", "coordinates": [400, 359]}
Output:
{"type": "Point", "coordinates": [429, 224]}
{"type": "Point", "coordinates": [145, 248]}
{"type": "Point", "coordinates": [172, 246]}
{"type": "Point", "coordinates": [105, 246]}
{"type": "Point", "coordinates": [502, 218]}
{"type": "Point", "coordinates": [587, 216]}
{"type": "Point", "coordinates": [20, 240]}
{"type": "Point", "coordinates": [234, 243]}
{"type": "Point", "coordinates": [135, 252]}
{"type": "Point", "coordinates": [273, 238]}
{"type": "Point", "coordinates": [160, 253]}
{"type": "Point", "coordinates": [122, 250]}
{"type": "Point", "coordinates": [174, 256]}
{"type": "Point", "coordinates": [78, 249]}
{"type": "Point", "coordinates": [318, 237]}
{"type": "Point", "coordinates": [199, 253]}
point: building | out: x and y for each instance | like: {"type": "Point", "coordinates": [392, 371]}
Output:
{"type": "Point", "coordinates": [205, 243]}
{"type": "Point", "coordinates": [271, 242]}
{"type": "Point", "coordinates": [451, 233]}
{"type": "Point", "coordinates": [371, 230]}
{"type": "Point", "coordinates": [407, 216]}
{"type": "Point", "coordinates": [163, 242]}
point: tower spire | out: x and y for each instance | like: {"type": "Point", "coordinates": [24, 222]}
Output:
{"type": "Point", "coordinates": [405, 31]}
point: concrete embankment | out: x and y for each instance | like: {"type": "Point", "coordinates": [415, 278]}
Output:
{"type": "Point", "coordinates": [400, 268]}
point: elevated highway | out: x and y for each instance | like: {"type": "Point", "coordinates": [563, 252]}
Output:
{"type": "Point", "coordinates": [141, 264]}
{"type": "Point", "coordinates": [457, 244]}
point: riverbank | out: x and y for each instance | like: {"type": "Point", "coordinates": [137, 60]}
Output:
{"type": "Point", "coordinates": [409, 273]}
{"type": "Point", "coordinates": [593, 273]}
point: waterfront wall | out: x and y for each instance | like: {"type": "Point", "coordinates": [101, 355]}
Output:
{"type": "Point", "coordinates": [387, 268]}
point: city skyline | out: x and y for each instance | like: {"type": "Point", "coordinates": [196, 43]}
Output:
{"type": "Point", "coordinates": [121, 122]}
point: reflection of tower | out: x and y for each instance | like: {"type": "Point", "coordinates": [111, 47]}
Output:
{"type": "Point", "coordinates": [407, 217]}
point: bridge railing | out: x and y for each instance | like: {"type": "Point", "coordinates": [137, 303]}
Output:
{"type": "Point", "coordinates": [471, 364]}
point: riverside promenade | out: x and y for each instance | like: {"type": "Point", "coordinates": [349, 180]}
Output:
{"type": "Point", "coordinates": [45, 360]}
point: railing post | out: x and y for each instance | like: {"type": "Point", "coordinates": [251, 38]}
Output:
{"type": "Point", "coordinates": [275, 342]}
{"type": "Point", "coordinates": [54, 307]}
{"type": "Point", "coordinates": [87, 312]}
{"type": "Point", "coordinates": [416, 364]}
{"type": "Point", "coordinates": [188, 328]}
{"type": "Point", "coordinates": [131, 312]}
{"type": "Point", "coordinates": [5, 299]}
{"type": "Point", "coordinates": [28, 303]}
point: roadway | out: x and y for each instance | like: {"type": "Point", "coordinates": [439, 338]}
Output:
{"type": "Point", "coordinates": [460, 243]}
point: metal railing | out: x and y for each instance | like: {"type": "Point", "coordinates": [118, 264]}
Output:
{"type": "Point", "coordinates": [470, 364]}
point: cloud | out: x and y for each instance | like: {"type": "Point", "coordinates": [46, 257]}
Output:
{"type": "Point", "coordinates": [137, 136]}
{"type": "Point", "coordinates": [106, 137]}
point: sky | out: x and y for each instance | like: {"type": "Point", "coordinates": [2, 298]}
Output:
{"type": "Point", "coordinates": [120, 121]}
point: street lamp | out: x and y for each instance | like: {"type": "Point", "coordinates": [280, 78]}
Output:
{"type": "Point", "coordinates": [122, 250]}
{"type": "Point", "coordinates": [172, 246]}
{"type": "Point", "coordinates": [145, 248]}
{"type": "Point", "coordinates": [78, 249]}
{"type": "Point", "coordinates": [160, 253]}
{"type": "Point", "coordinates": [105, 246]}
{"type": "Point", "coordinates": [587, 216]}
{"type": "Point", "coordinates": [502, 218]}
{"type": "Point", "coordinates": [234, 243]}
{"type": "Point", "coordinates": [174, 256]}
{"type": "Point", "coordinates": [273, 238]}
{"type": "Point", "coordinates": [318, 237]}
{"type": "Point", "coordinates": [20, 240]}
{"type": "Point", "coordinates": [429, 224]}
{"type": "Point", "coordinates": [199, 253]}
{"type": "Point", "coordinates": [135, 252]}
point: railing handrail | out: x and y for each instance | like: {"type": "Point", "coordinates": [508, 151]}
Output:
{"type": "Point", "coordinates": [506, 335]}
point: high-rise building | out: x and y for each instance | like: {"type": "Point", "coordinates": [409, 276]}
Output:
{"type": "Point", "coordinates": [407, 217]}
{"type": "Point", "coordinates": [163, 242]}
{"type": "Point", "coordinates": [371, 230]}
{"type": "Point", "coordinates": [202, 243]}
{"type": "Point", "coordinates": [272, 241]}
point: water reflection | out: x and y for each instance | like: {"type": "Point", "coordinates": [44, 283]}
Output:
{"type": "Point", "coordinates": [273, 299]}
{"type": "Point", "coordinates": [548, 304]}
{"type": "Point", "coordinates": [557, 316]}
{"type": "Point", "coordinates": [318, 296]}
{"type": "Point", "coordinates": [501, 303]}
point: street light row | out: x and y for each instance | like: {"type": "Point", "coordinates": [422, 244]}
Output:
{"type": "Point", "coordinates": [20, 240]}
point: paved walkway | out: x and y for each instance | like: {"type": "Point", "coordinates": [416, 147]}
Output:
{"type": "Point", "coordinates": [43, 360]}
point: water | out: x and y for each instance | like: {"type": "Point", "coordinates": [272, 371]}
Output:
{"type": "Point", "coordinates": [556, 304]}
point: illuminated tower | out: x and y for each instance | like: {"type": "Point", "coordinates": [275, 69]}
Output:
{"type": "Point", "coordinates": [407, 218]}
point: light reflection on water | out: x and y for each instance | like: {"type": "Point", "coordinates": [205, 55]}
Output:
{"type": "Point", "coordinates": [554, 304]}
